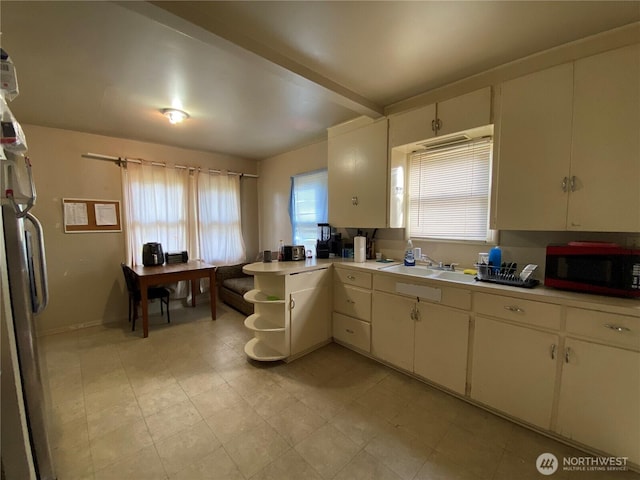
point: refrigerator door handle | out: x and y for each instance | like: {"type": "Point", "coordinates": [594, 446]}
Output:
{"type": "Point", "coordinates": [23, 209]}
{"type": "Point", "coordinates": [42, 262]}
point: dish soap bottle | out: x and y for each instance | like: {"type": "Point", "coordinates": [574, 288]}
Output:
{"type": "Point", "coordinates": [409, 259]}
{"type": "Point", "coordinates": [495, 259]}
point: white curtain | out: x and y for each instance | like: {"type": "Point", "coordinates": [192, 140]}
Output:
{"type": "Point", "coordinates": [156, 200]}
{"type": "Point", "coordinates": [219, 220]}
{"type": "Point", "coordinates": [182, 209]}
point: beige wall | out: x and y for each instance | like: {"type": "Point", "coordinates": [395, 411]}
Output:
{"type": "Point", "coordinates": [85, 280]}
{"type": "Point", "coordinates": [274, 186]}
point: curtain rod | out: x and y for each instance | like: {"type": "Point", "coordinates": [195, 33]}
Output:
{"type": "Point", "coordinates": [123, 160]}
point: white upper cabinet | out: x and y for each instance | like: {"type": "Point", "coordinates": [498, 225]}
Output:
{"type": "Point", "coordinates": [535, 149]}
{"type": "Point", "coordinates": [569, 149]}
{"type": "Point", "coordinates": [605, 154]}
{"type": "Point", "coordinates": [464, 112]}
{"type": "Point", "coordinates": [358, 172]}
{"type": "Point", "coordinates": [450, 116]}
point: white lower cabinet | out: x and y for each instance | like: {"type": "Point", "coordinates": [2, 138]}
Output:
{"type": "Point", "coordinates": [352, 331]}
{"type": "Point", "coordinates": [392, 327]}
{"type": "Point", "coordinates": [514, 370]}
{"type": "Point", "coordinates": [352, 308]}
{"type": "Point", "coordinates": [600, 398]}
{"type": "Point", "coordinates": [427, 339]}
{"type": "Point", "coordinates": [293, 314]}
{"type": "Point", "coordinates": [441, 344]}
{"type": "Point", "coordinates": [310, 318]}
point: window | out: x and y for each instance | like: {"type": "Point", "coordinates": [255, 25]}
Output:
{"type": "Point", "coordinates": [308, 206]}
{"type": "Point", "coordinates": [449, 192]}
{"type": "Point", "coordinates": [183, 209]}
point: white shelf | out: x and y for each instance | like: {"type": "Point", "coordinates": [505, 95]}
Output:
{"type": "Point", "coordinates": [259, 351]}
{"type": "Point", "coordinates": [260, 323]}
{"type": "Point", "coordinates": [257, 296]}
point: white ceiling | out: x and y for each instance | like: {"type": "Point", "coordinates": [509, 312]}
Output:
{"type": "Point", "coordinates": [260, 78]}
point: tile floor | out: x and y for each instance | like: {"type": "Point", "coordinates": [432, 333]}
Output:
{"type": "Point", "coordinates": [185, 403]}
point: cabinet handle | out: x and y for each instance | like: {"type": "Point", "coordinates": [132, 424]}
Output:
{"type": "Point", "coordinates": [350, 301]}
{"type": "Point", "coordinates": [438, 124]}
{"type": "Point", "coordinates": [351, 277]}
{"type": "Point", "coordinates": [553, 351]}
{"type": "Point", "coordinates": [292, 304]}
{"type": "Point", "coordinates": [354, 201]}
{"type": "Point", "coordinates": [348, 330]}
{"type": "Point", "coordinates": [617, 328]}
{"type": "Point", "coordinates": [565, 181]}
{"type": "Point", "coordinates": [567, 352]}
{"type": "Point", "coordinates": [572, 183]}
{"type": "Point", "coordinates": [433, 125]}
{"type": "Point", "coordinates": [513, 308]}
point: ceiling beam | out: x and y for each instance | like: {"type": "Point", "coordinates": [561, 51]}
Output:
{"type": "Point", "coordinates": [187, 18]}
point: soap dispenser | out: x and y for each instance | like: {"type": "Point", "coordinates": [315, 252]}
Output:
{"type": "Point", "coordinates": [409, 259]}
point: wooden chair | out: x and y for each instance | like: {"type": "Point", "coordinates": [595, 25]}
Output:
{"type": "Point", "coordinates": [135, 296]}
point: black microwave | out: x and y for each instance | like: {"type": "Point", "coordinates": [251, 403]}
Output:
{"type": "Point", "coordinates": [594, 267]}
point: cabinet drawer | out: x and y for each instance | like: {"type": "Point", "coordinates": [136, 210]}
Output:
{"type": "Point", "coordinates": [352, 301]}
{"type": "Point", "coordinates": [305, 280]}
{"type": "Point", "coordinates": [515, 309]}
{"type": "Point", "coordinates": [354, 277]}
{"type": "Point", "coordinates": [403, 285]}
{"type": "Point", "coordinates": [352, 331]}
{"type": "Point", "coordinates": [611, 328]}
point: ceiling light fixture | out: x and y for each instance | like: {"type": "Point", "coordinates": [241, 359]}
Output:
{"type": "Point", "coordinates": [174, 115]}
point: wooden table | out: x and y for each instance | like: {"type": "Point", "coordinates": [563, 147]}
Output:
{"type": "Point", "coordinates": [193, 270]}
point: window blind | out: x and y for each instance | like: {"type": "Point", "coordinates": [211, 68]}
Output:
{"type": "Point", "coordinates": [308, 206]}
{"type": "Point", "coordinates": [449, 192]}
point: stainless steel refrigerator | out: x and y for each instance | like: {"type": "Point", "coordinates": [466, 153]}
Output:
{"type": "Point", "coordinates": [26, 452]}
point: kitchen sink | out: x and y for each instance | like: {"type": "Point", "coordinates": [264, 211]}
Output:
{"type": "Point", "coordinates": [453, 276]}
{"type": "Point", "coordinates": [426, 272]}
{"type": "Point", "coordinates": [417, 271]}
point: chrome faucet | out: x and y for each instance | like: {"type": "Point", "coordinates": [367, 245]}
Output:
{"type": "Point", "coordinates": [431, 263]}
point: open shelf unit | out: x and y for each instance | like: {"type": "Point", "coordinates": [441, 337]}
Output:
{"type": "Point", "coordinates": [269, 322]}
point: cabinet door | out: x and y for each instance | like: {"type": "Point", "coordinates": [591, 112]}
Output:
{"type": "Point", "coordinates": [464, 112]}
{"type": "Point", "coordinates": [412, 126]}
{"type": "Point", "coordinates": [310, 318]}
{"type": "Point", "coordinates": [513, 370]}
{"type": "Point", "coordinates": [441, 340]}
{"type": "Point", "coordinates": [600, 398]}
{"type": "Point", "coordinates": [606, 143]}
{"type": "Point", "coordinates": [392, 329]}
{"type": "Point", "coordinates": [358, 177]}
{"type": "Point", "coordinates": [534, 150]}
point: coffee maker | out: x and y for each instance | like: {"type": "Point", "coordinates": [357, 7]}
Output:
{"type": "Point", "coordinates": [329, 242]}
{"type": "Point", "coordinates": [323, 246]}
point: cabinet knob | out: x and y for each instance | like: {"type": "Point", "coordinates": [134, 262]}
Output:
{"type": "Point", "coordinates": [565, 183]}
{"type": "Point", "coordinates": [351, 277]}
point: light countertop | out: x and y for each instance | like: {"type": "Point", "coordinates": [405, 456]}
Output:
{"type": "Point", "coordinates": [625, 306]}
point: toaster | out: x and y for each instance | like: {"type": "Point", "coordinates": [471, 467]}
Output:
{"type": "Point", "coordinates": [293, 252]}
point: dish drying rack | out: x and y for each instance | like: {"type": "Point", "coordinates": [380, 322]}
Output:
{"type": "Point", "coordinates": [503, 276]}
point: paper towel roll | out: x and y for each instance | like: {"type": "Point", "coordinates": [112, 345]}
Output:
{"type": "Point", "coordinates": [359, 249]}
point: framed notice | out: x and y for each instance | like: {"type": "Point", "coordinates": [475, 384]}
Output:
{"type": "Point", "coordinates": [82, 215]}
